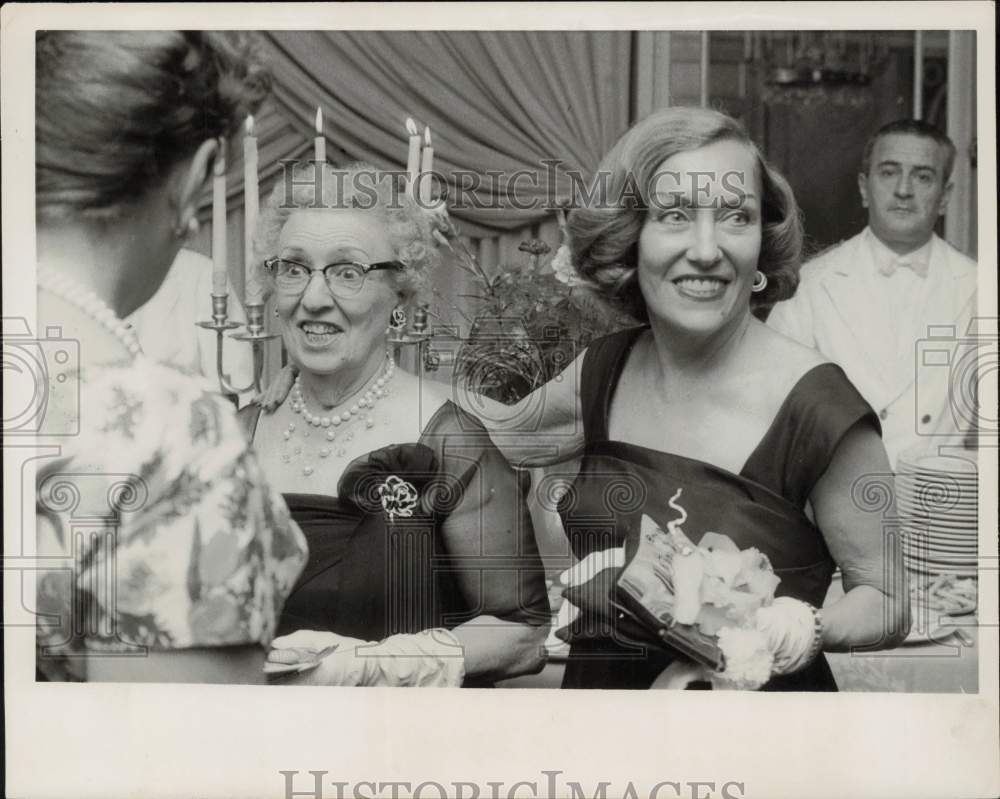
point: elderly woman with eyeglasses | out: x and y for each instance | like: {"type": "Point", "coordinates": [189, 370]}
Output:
{"type": "Point", "coordinates": [423, 567]}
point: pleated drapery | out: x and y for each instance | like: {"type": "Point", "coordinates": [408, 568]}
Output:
{"type": "Point", "coordinates": [500, 103]}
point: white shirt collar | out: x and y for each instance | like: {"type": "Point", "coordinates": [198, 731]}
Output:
{"type": "Point", "coordinates": [882, 255]}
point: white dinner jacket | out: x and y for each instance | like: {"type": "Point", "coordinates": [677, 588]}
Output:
{"type": "Point", "coordinates": [836, 311]}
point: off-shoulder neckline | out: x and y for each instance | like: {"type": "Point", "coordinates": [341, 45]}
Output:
{"type": "Point", "coordinates": [631, 336]}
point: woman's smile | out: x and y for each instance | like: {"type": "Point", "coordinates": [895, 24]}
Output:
{"type": "Point", "coordinates": [701, 288]}
{"type": "Point", "coordinates": [317, 334]}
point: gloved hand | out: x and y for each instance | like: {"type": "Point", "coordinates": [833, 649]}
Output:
{"type": "Point", "coordinates": [790, 627]}
{"type": "Point", "coordinates": [785, 638]}
{"type": "Point", "coordinates": [585, 569]}
{"type": "Point", "coordinates": [432, 658]}
{"type": "Point", "coordinates": [272, 396]}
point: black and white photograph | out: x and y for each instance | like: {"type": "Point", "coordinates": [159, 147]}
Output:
{"type": "Point", "coordinates": [631, 348]}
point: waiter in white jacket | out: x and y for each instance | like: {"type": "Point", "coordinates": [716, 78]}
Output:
{"type": "Point", "coordinates": [878, 303]}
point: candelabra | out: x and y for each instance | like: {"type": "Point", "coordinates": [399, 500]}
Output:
{"type": "Point", "coordinates": [255, 334]}
{"type": "Point", "coordinates": [416, 336]}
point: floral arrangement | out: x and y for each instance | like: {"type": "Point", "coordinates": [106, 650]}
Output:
{"type": "Point", "coordinates": [534, 317]}
{"type": "Point", "coordinates": [705, 597]}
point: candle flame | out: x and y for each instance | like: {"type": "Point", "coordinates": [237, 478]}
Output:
{"type": "Point", "coordinates": [249, 125]}
{"type": "Point", "coordinates": [411, 127]}
{"type": "Point", "coordinates": [427, 137]}
{"type": "Point", "coordinates": [319, 121]}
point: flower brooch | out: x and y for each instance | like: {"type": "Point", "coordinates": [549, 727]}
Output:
{"type": "Point", "coordinates": [398, 497]}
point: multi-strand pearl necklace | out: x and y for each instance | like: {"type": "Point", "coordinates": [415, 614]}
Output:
{"type": "Point", "coordinates": [90, 304]}
{"type": "Point", "coordinates": [332, 425]}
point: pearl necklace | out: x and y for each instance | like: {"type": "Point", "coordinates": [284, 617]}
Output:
{"type": "Point", "coordinates": [376, 391]}
{"type": "Point", "coordinates": [90, 304]}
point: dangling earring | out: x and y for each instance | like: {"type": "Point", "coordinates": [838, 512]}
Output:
{"type": "Point", "coordinates": [276, 313]}
{"type": "Point", "coordinates": [397, 322]}
{"type": "Point", "coordinates": [759, 282]}
{"type": "Point", "coordinates": [185, 230]}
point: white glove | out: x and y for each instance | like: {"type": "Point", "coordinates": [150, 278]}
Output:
{"type": "Point", "coordinates": [790, 627]}
{"type": "Point", "coordinates": [429, 658]}
{"type": "Point", "coordinates": [585, 569]}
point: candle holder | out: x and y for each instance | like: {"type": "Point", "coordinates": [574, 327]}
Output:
{"type": "Point", "coordinates": [416, 335]}
{"type": "Point", "coordinates": [256, 335]}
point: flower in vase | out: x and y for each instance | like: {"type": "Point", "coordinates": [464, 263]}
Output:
{"type": "Point", "coordinates": [562, 266]}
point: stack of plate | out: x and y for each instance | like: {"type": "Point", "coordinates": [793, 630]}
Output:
{"type": "Point", "coordinates": [937, 498]}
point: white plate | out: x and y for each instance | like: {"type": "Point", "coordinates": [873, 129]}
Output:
{"type": "Point", "coordinates": [949, 464]}
{"type": "Point", "coordinates": [923, 553]}
{"type": "Point", "coordinates": [939, 635]}
{"type": "Point", "coordinates": [922, 520]}
{"type": "Point", "coordinates": [966, 562]}
{"type": "Point", "coordinates": [937, 542]}
{"type": "Point", "coordinates": [941, 555]}
{"type": "Point", "coordinates": [965, 543]}
{"type": "Point", "coordinates": [937, 571]}
{"type": "Point", "coordinates": [922, 513]}
{"type": "Point", "coordinates": [958, 491]}
{"type": "Point", "coordinates": [932, 503]}
{"type": "Point", "coordinates": [288, 668]}
{"type": "Point", "coordinates": [953, 538]}
{"type": "Point", "coordinates": [924, 493]}
{"type": "Point", "coordinates": [968, 547]}
{"type": "Point", "coordinates": [953, 491]}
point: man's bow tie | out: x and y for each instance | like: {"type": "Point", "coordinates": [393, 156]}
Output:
{"type": "Point", "coordinates": [889, 266]}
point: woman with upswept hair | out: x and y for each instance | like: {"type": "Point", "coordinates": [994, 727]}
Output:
{"type": "Point", "coordinates": [184, 574]}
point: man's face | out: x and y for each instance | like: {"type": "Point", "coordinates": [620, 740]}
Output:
{"type": "Point", "coordinates": [905, 190]}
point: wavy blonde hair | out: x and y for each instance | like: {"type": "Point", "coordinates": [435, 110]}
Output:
{"type": "Point", "coordinates": [358, 185]}
{"type": "Point", "coordinates": [604, 236]}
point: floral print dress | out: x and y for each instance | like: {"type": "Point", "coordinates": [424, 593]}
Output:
{"type": "Point", "coordinates": [156, 528]}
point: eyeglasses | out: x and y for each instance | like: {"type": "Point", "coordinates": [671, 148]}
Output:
{"type": "Point", "coordinates": [343, 279]}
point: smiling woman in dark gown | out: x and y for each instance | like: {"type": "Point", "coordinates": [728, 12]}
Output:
{"type": "Point", "coordinates": [423, 567]}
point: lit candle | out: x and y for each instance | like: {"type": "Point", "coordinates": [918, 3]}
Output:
{"type": "Point", "coordinates": [253, 293]}
{"type": "Point", "coordinates": [319, 143]}
{"type": "Point", "coordinates": [426, 167]}
{"type": "Point", "coordinates": [220, 275]}
{"type": "Point", "coordinates": [412, 156]}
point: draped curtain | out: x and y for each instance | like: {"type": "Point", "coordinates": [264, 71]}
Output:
{"type": "Point", "coordinates": [495, 102]}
